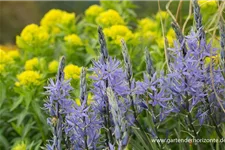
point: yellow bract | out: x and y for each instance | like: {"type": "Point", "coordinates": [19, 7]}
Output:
{"type": "Point", "coordinates": [89, 100]}
{"type": "Point", "coordinates": [5, 58]}
{"type": "Point", "coordinates": [215, 60]}
{"type": "Point", "coordinates": [94, 11]}
{"type": "Point", "coordinates": [32, 64]}
{"type": "Point", "coordinates": [28, 78]}
{"type": "Point", "coordinates": [73, 40]}
{"type": "Point", "coordinates": [109, 18]}
{"type": "Point", "coordinates": [32, 35]}
{"type": "Point", "coordinates": [77, 100]}
{"type": "Point", "coordinates": [160, 42]}
{"type": "Point", "coordinates": [56, 18]}
{"type": "Point", "coordinates": [53, 66]}
{"type": "Point", "coordinates": [21, 146]}
{"type": "Point", "coordinates": [207, 3]}
{"type": "Point", "coordinates": [14, 53]}
{"type": "Point", "coordinates": [171, 36]}
{"type": "Point", "coordinates": [162, 14]}
{"type": "Point", "coordinates": [147, 24]}
{"type": "Point", "coordinates": [72, 71]}
{"type": "Point", "coordinates": [118, 32]}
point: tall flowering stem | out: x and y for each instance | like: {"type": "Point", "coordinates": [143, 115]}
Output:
{"type": "Point", "coordinates": [180, 37]}
{"type": "Point", "coordinates": [104, 51]}
{"type": "Point", "coordinates": [222, 43]}
{"type": "Point", "coordinates": [83, 99]}
{"type": "Point", "coordinates": [57, 104]}
{"type": "Point", "coordinates": [207, 49]}
{"type": "Point", "coordinates": [129, 73]}
{"type": "Point", "coordinates": [104, 58]}
{"type": "Point", "coordinates": [149, 65]}
{"type": "Point", "coordinates": [82, 123]}
{"type": "Point", "coordinates": [198, 20]}
{"type": "Point", "coordinates": [120, 123]}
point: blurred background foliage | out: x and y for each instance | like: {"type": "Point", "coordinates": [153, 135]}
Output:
{"type": "Point", "coordinates": [16, 15]}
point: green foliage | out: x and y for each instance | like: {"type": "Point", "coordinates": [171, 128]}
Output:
{"type": "Point", "coordinates": [23, 120]}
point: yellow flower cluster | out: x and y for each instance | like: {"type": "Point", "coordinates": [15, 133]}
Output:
{"type": "Point", "coordinates": [117, 32]}
{"type": "Point", "coordinates": [55, 18]}
{"type": "Point", "coordinates": [73, 40]}
{"type": "Point", "coordinates": [160, 42]}
{"type": "Point", "coordinates": [109, 18]}
{"type": "Point", "coordinates": [32, 64]}
{"type": "Point", "coordinates": [171, 36]}
{"type": "Point", "coordinates": [28, 78]}
{"type": "Point", "coordinates": [5, 58]}
{"type": "Point", "coordinates": [207, 3]}
{"type": "Point", "coordinates": [72, 71]}
{"type": "Point", "coordinates": [53, 66]}
{"type": "Point", "coordinates": [20, 146]}
{"type": "Point", "coordinates": [94, 11]}
{"type": "Point", "coordinates": [146, 29]}
{"type": "Point", "coordinates": [14, 54]}
{"type": "Point", "coordinates": [145, 36]}
{"type": "Point", "coordinates": [147, 24]}
{"type": "Point", "coordinates": [162, 14]}
{"type": "Point", "coordinates": [32, 35]}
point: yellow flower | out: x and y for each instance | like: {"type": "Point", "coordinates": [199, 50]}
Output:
{"type": "Point", "coordinates": [32, 35]}
{"type": "Point", "coordinates": [215, 60]}
{"type": "Point", "coordinates": [109, 18]}
{"type": "Point", "coordinates": [94, 11]}
{"type": "Point", "coordinates": [5, 58]}
{"type": "Point", "coordinates": [14, 53]}
{"type": "Point", "coordinates": [160, 42]}
{"type": "Point", "coordinates": [21, 146]}
{"type": "Point", "coordinates": [73, 39]}
{"type": "Point", "coordinates": [89, 100]}
{"type": "Point", "coordinates": [77, 100]}
{"type": "Point", "coordinates": [171, 36]}
{"type": "Point", "coordinates": [32, 64]}
{"type": "Point", "coordinates": [207, 3]}
{"type": "Point", "coordinates": [147, 24]}
{"type": "Point", "coordinates": [28, 78]}
{"type": "Point", "coordinates": [72, 71]}
{"type": "Point", "coordinates": [55, 18]}
{"type": "Point", "coordinates": [53, 66]}
{"type": "Point", "coordinates": [117, 32]}
{"type": "Point", "coordinates": [162, 14]}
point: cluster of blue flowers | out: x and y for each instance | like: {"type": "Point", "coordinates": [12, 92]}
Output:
{"type": "Point", "coordinates": [190, 88]}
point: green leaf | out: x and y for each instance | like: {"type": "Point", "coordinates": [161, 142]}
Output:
{"type": "Point", "coordinates": [3, 141]}
{"type": "Point", "coordinates": [2, 93]}
{"type": "Point", "coordinates": [17, 103]}
{"type": "Point", "coordinates": [18, 129]}
{"type": "Point", "coordinates": [27, 129]}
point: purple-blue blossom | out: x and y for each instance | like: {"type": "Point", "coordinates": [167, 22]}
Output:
{"type": "Point", "coordinates": [57, 105]}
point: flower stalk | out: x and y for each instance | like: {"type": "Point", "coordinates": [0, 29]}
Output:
{"type": "Point", "coordinates": [54, 108]}
{"type": "Point", "coordinates": [222, 43]}
{"type": "Point", "coordinates": [129, 74]}
{"type": "Point", "coordinates": [83, 99]}
{"type": "Point", "coordinates": [104, 57]}
{"type": "Point", "coordinates": [198, 20]}
{"type": "Point", "coordinates": [149, 65]}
